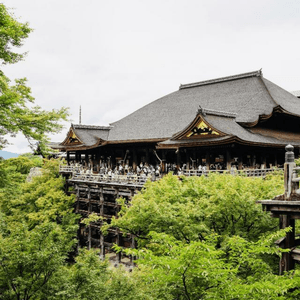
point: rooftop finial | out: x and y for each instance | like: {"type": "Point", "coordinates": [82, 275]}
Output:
{"type": "Point", "coordinates": [80, 114]}
{"type": "Point", "coordinates": [201, 111]}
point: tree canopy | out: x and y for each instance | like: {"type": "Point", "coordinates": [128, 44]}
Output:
{"type": "Point", "coordinates": [206, 238]}
{"type": "Point", "coordinates": [18, 114]}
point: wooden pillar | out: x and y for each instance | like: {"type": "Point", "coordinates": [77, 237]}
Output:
{"type": "Point", "coordinates": [147, 155]}
{"type": "Point", "coordinates": [77, 197]}
{"type": "Point", "coordinates": [275, 160]}
{"type": "Point", "coordinates": [228, 159]}
{"type": "Point", "coordinates": [286, 262]}
{"type": "Point", "coordinates": [187, 158]}
{"type": "Point", "coordinates": [132, 247]}
{"type": "Point", "coordinates": [207, 158]}
{"type": "Point", "coordinates": [68, 158]}
{"type": "Point", "coordinates": [178, 158]}
{"type": "Point", "coordinates": [101, 202]}
{"type": "Point", "coordinates": [163, 167]}
{"type": "Point", "coordinates": [89, 212]}
{"type": "Point", "coordinates": [253, 161]}
{"type": "Point", "coordinates": [119, 254]}
{"type": "Point", "coordinates": [134, 162]}
{"type": "Point", "coordinates": [264, 160]}
{"type": "Point", "coordinates": [240, 166]}
{"type": "Point", "coordinates": [102, 247]}
{"type": "Point", "coordinates": [116, 204]}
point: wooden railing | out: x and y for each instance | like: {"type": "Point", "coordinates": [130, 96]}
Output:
{"type": "Point", "coordinates": [78, 174]}
{"type": "Point", "coordinates": [245, 172]}
{"type": "Point", "coordinates": [122, 179]}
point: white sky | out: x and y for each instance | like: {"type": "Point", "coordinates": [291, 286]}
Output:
{"type": "Point", "coordinates": [113, 57]}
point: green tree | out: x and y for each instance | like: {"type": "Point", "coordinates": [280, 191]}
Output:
{"type": "Point", "coordinates": [17, 111]}
{"type": "Point", "coordinates": [37, 232]}
{"type": "Point", "coordinates": [37, 228]}
{"type": "Point", "coordinates": [206, 238]}
{"type": "Point", "coordinates": [192, 207]}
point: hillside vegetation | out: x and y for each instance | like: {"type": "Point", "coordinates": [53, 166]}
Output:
{"type": "Point", "coordinates": [198, 238]}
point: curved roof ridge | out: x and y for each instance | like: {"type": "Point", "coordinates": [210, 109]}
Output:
{"type": "Point", "coordinates": [219, 113]}
{"type": "Point", "coordinates": [80, 126]}
{"type": "Point", "coordinates": [222, 79]}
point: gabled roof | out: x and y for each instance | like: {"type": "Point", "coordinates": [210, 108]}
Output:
{"type": "Point", "coordinates": [232, 104]}
{"type": "Point", "coordinates": [85, 136]}
{"type": "Point", "coordinates": [230, 131]}
{"type": "Point", "coordinates": [249, 96]}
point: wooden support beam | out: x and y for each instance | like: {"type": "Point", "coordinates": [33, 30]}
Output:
{"type": "Point", "coordinates": [207, 158]}
{"type": "Point", "coordinates": [286, 262]}
{"type": "Point", "coordinates": [102, 246]}
{"type": "Point", "coordinates": [228, 160]}
{"type": "Point", "coordinates": [296, 254]}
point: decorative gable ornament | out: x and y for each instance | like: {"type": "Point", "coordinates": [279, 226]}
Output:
{"type": "Point", "coordinates": [198, 128]}
{"type": "Point", "coordinates": [72, 139]}
{"type": "Point", "coordinates": [202, 129]}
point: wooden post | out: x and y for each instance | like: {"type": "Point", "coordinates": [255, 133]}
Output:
{"type": "Point", "coordinates": [207, 158]}
{"type": "Point", "coordinates": [147, 155]}
{"type": "Point", "coordinates": [68, 158]}
{"type": "Point", "coordinates": [240, 167]}
{"type": "Point", "coordinates": [228, 160]}
{"type": "Point", "coordinates": [275, 160]}
{"type": "Point", "coordinates": [102, 247]}
{"type": "Point", "coordinates": [178, 158]}
{"type": "Point", "coordinates": [119, 254]}
{"type": "Point", "coordinates": [264, 160]}
{"type": "Point", "coordinates": [101, 202]}
{"type": "Point", "coordinates": [132, 247]}
{"type": "Point", "coordinates": [89, 212]}
{"type": "Point", "coordinates": [286, 262]}
{"type": "Point", "coordinates": [134, 162]}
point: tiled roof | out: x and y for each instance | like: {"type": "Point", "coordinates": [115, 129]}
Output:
{"type": "Point", "coordinates": [90, 135]}
{"type": "Point", "coordinates": [228, 102]}
{"type": "Point", "coordinates": [247, 95]}
{"type": "Point", "coordinates": [232, 129]}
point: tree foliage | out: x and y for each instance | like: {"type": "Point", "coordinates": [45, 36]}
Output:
{"type": "Point", "coordinates": [206, 238]}
{"type": "Point", "coordinates": [37, 234]}
{"type": "Point", "coordinates": [190, 208]}
{"type": "Point", "coordinates": [17, 111]}
{"type": "Point", "coordinates": [12, 34]}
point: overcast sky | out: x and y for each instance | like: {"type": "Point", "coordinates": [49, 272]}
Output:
{"type": "Point", "coordinates": [113, 57]}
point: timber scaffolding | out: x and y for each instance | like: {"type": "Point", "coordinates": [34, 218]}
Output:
{"type": "Point", "coordinates": [98, 194]}
{"type": "Point", "coordinates": [286, 207]}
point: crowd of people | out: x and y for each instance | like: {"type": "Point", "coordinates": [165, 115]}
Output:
{"type": "Point", "coordinates": [148, 170]}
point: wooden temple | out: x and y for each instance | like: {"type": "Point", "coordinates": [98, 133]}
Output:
{"type": "Point", "coordinates": [242, 121]}
{"type": "Point", "coordinates": [238, 123]}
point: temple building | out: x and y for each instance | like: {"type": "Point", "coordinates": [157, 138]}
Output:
{"type": "Point", "coordinates": [241, 121]}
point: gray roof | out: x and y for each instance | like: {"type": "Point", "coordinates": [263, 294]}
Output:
{"type": "Point", "coordinates": [231, 128]}
{"type": "Point", "coordinates": [247, 95]}
{"type": "Point", "coordinates": [230, 103]}
{"type": "Point", "coordinates": [90, 135]}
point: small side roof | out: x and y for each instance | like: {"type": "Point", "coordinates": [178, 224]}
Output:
{"type": "Point", "coordinates": [85, 136]}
